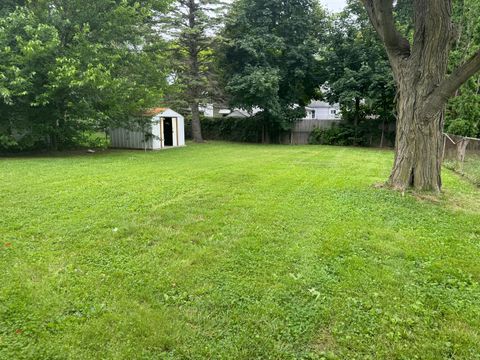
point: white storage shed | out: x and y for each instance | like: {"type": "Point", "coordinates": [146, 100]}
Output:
{"type": "Point", "coordinates": [166, 130]}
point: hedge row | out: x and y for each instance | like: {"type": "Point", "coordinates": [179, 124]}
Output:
{"type": "Point", "coordinates": [228, 129]}
{"type": "Point", "coordinates": [249, 130]}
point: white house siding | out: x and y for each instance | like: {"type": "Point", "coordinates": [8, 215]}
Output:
{"type": "Point", "coordinates": [323, 111]}
{"type": "Point", "coordinates": [209, 111]}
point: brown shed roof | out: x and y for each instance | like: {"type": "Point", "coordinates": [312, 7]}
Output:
{"type": "Point", "coordinates": [154, 111]}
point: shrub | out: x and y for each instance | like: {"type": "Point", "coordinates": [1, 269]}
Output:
{"type": "Point", "coordinates": [228, 129]}
{"type": "Point", "coordinates": [342, 135]}
{"type": "Point", "coordinates": [93, 140]}
{"type": "Point", "coordinates": [250, 130]}
{"type": "Point", "coordinates": [462, 127]}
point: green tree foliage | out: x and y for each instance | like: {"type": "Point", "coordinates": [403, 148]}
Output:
{"type": "Point", "coordinates": [356, 70]}
{"type": "Point", "coordinates": [192, 25]}
{"type": "Point", "coordinates": [69, 66]}
{"type": "Point", "coordinates": [463, 111]}
{"type": "Point", "coordinates": [270, 57]}
{"type": "Point", "coordinates": [9, 5]}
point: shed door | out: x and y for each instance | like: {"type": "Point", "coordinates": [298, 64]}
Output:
{"type": "Point", "coordinates": [168, 131]}
{"type": "Point", "coordinates": [175, 131]}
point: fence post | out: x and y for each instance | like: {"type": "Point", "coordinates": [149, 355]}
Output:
{"type": "Point", "coordinates": [444, 146]}
{"type": "Point", "coordinates": [461, 150]}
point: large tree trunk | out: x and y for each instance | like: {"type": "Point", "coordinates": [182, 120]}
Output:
{"type": "Point", "coordinates": [423, 89]}
{"type": "Point", "coordinates": [196, 126]}
{"type": "Point", "coordinates": [419, 145]}
{"type": "Point", "coordinates": [418, 148]}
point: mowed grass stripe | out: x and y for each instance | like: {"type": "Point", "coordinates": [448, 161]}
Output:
{"type": "Point", "coordinates": [234, 251]}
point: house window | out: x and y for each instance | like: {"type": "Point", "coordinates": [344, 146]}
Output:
{"type": "Point", "coordinates": [312, 114]}
{"type": "Point", "coordinates": [333, 112]}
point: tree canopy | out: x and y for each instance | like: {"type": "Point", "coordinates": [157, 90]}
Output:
{"type": "Point", "coordinates": [270, 57]}
{"type": "Point", "coordinates": [356, 70]}
{"type": "Point", "coordinates": [67, 66]}
{"type": "Point", "coordinates": [463, 111]}
{"type": "Point", "coordinates": [70, 67]}
{"type": "Point", "coordinates": [191, 26]}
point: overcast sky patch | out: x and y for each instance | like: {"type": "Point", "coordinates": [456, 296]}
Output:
{"type": "Point", "coordinates": [334, 5]}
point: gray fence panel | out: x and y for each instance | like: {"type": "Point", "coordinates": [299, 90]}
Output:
{"type": "Point", "coordinates": [300, 133]}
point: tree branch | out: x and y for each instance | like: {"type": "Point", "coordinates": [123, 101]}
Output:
{"type": "Point", "coordinates": [380, 13]}
{"type": "Point", "coordinates": [447, 87]}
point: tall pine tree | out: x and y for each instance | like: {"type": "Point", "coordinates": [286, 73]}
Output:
{"type": "Point", "coordinates": [191, 26]}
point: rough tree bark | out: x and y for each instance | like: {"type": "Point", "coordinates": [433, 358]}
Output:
{"type": "Point", "coordinates": [423, 88]}
{"type": "Point", "coordinates": [196, 126]}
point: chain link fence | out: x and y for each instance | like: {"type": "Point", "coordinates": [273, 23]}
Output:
{"type": "Point", "coordinates": [462, 154]}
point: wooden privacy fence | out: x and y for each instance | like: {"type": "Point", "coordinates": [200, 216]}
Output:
{"type": "Point", "coordinates": [300, 133]}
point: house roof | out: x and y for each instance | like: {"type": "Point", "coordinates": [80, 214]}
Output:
{"type": "Point", "coordinates": [242, 113]}
{"type": "Point", "coordinates": [320, 104]}
{"type": "Point", "coordinates": [154, 111]}
{"type": "Point", "coordinates": [239, 113]}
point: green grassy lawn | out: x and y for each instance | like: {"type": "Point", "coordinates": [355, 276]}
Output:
{"type": "Point", "coordinates": [470, 169]}
{"type": "Point", "coordinates": [226, 251]}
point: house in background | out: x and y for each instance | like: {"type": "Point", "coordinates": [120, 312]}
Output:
{"type": "Point", "coordinates": [319, 114]}
{"type": "Point", "coordinates": [321, 110]}
{"type": "Point", "coordinates": [241, 113]}
{"type": "Point", "coordinates": [166, 129]}
{"type": "Point", "coordinates": [316, 110]}
{"type": "Point", "coordinates": [213, 111]}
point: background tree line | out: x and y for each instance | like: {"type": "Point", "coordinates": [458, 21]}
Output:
{"type": "Point", "coordinates": [70, 68]}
